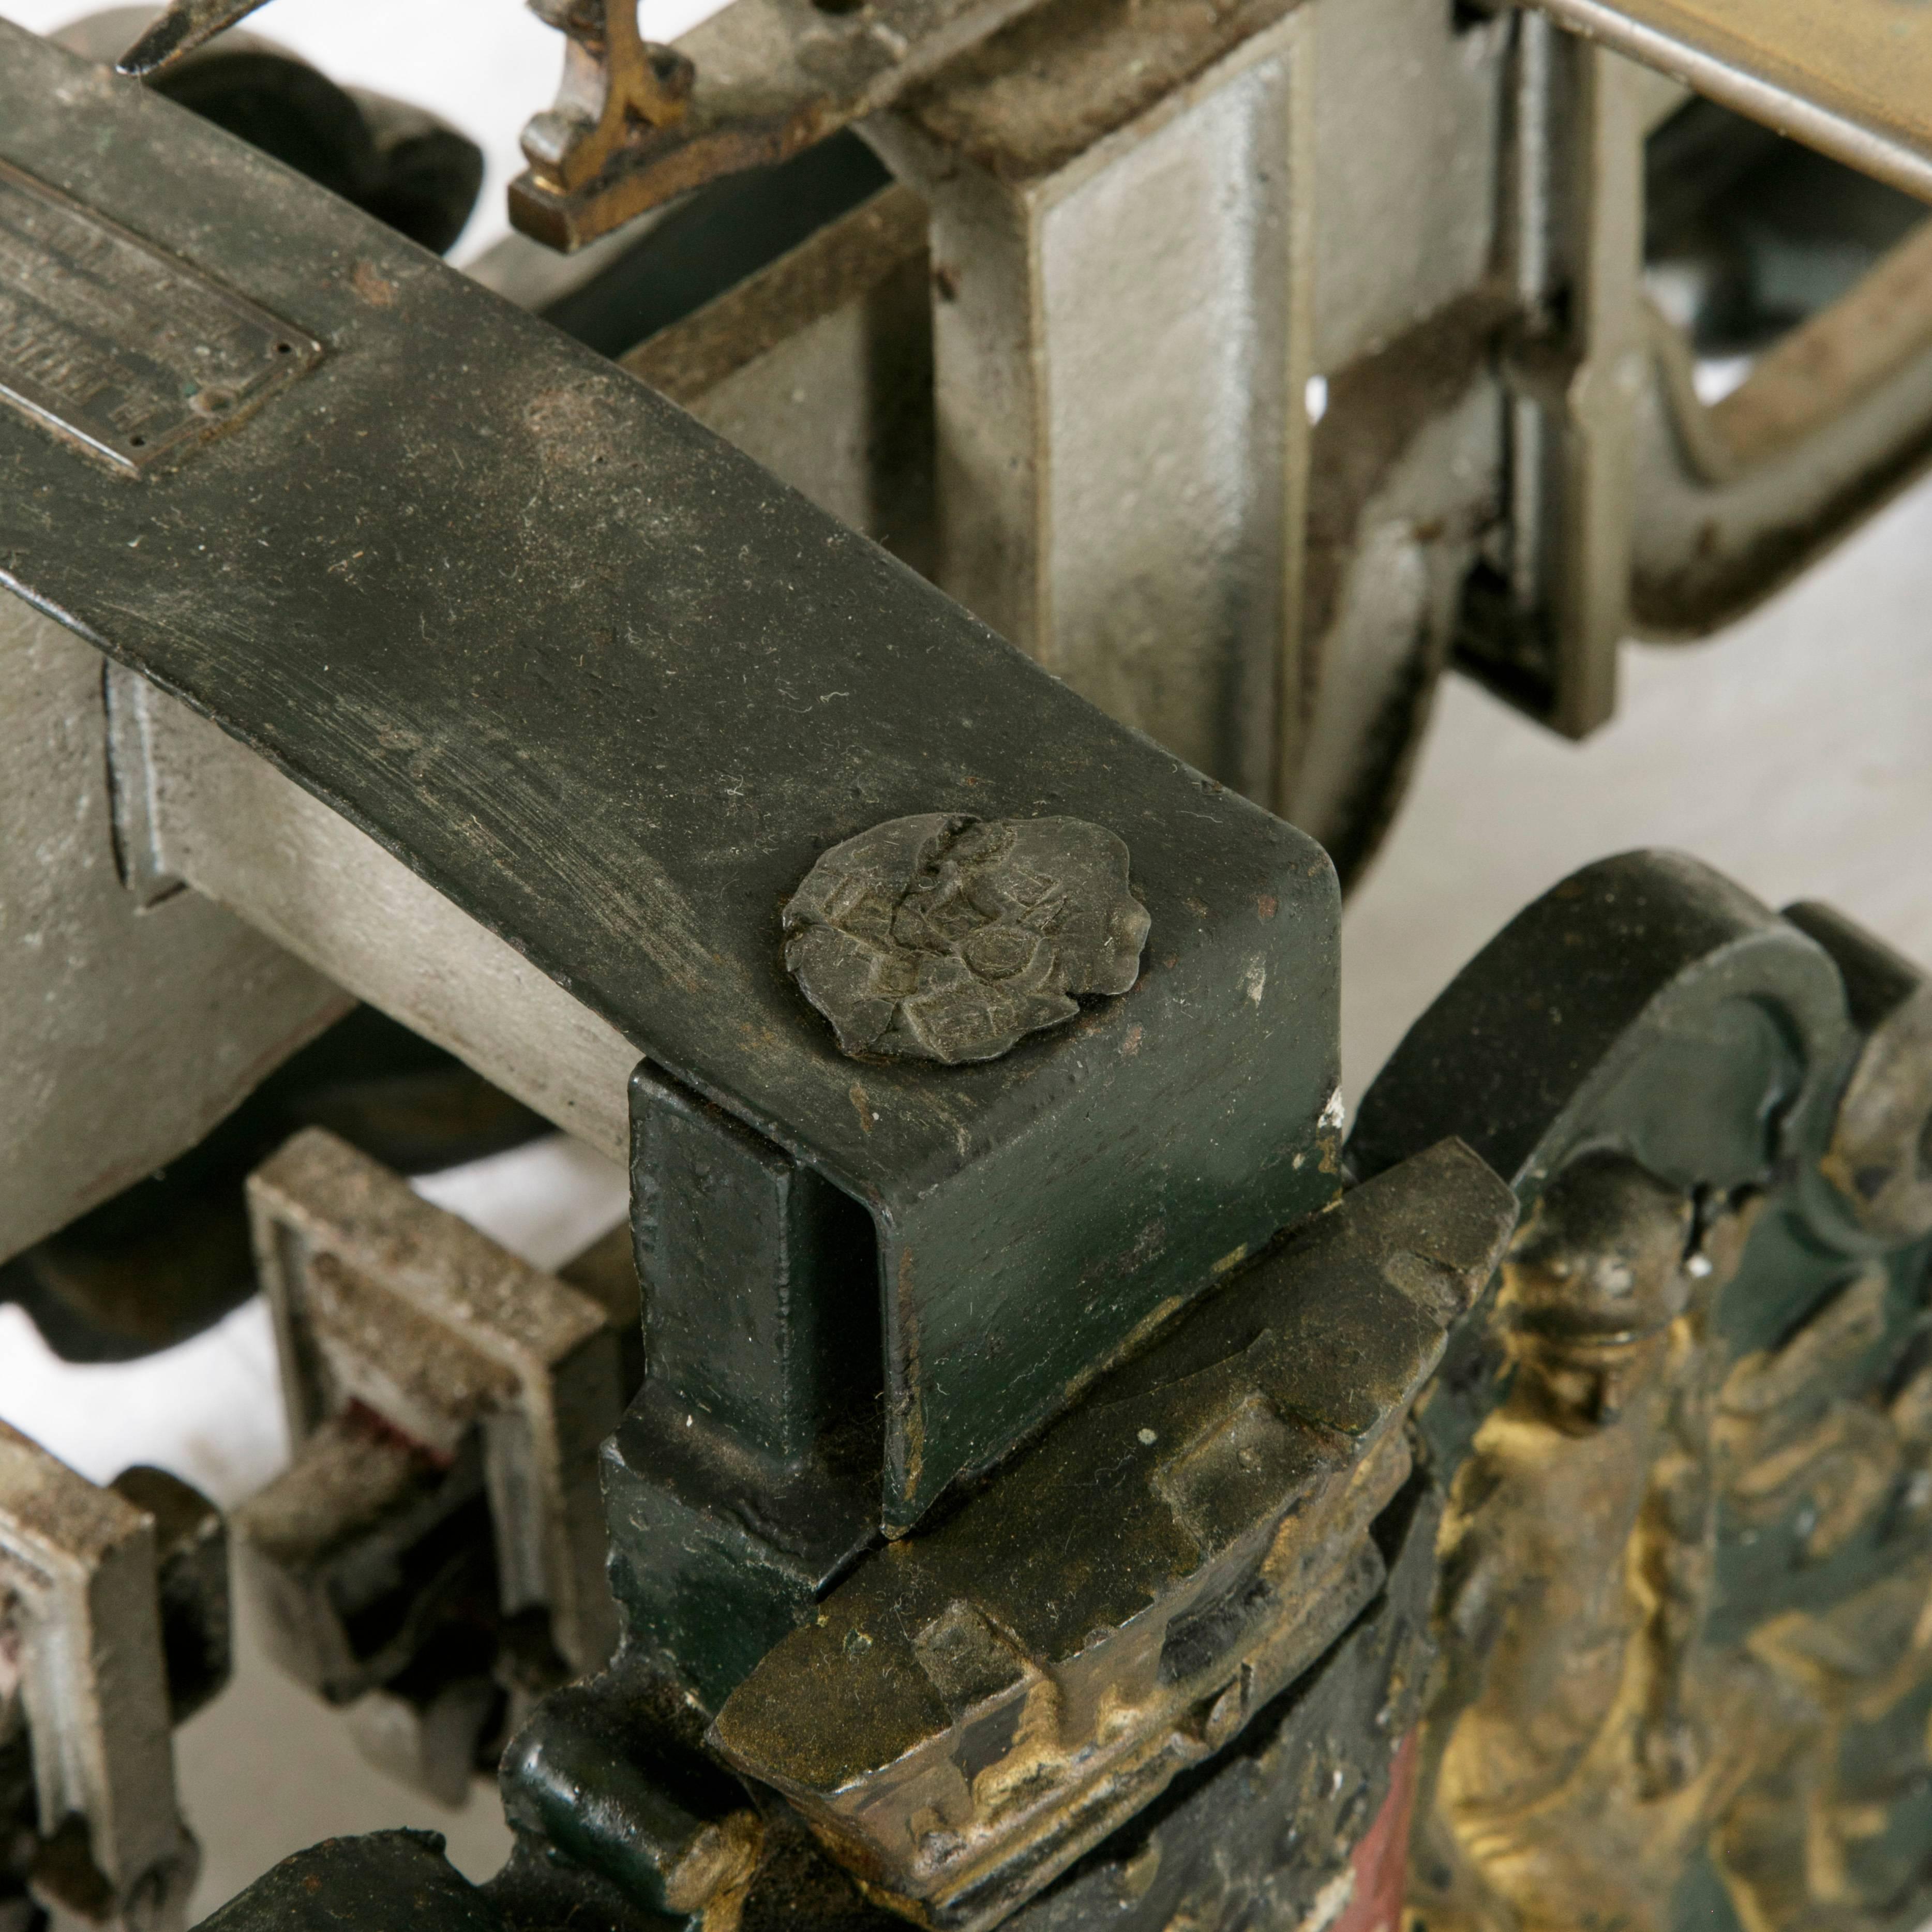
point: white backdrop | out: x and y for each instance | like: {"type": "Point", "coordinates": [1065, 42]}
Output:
{"type": "Point", "coordinates": [486, 66]}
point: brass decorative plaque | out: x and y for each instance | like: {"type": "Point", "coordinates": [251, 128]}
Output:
{"type": "Point", "coordinates": [129, 351]}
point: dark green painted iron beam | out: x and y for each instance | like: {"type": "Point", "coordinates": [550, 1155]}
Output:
{"type": "Point", "coordinates": [611, 689]}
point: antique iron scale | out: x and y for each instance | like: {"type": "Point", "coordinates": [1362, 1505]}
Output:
{"type": "Point", "coordinates": [1022, 1462]}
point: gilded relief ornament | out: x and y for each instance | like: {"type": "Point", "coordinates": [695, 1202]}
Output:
{"type": "Point", "coordinates": [1683, 1597]}
{"type": "Point", "coordinates": [1577, 1754]}
{"type": "Point", "coordinates": [1617, 1722]}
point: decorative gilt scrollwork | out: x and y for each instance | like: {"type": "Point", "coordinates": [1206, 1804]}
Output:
{"type": "Point", "coordinates": [1684, 1587]}
{"type": "Point", "coordinates": [1587, 1752]}
{"type": "Point", "coordinates": [1612, 1713]}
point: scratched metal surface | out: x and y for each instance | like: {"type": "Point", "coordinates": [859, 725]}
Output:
{"type": "Point", "coordinates": [612, 689]}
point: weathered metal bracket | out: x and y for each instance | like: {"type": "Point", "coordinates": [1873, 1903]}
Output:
{"type": "Point", "coordinates": [635, 125]}
{"type": "Point", "coordinates": [620, 92]}
{"type": "Point", "coordinates": [112, 1627]}
{"type": "Point", "coordinates": [742, 1481]}
{"type": "Point", "coordinates": [993, 1698]}
{"type": "Point", "coordinates": [446, 1401]}
{"type": "Point", "coordinates": [1301, 1819]}
{"type": "Point", "coordinates": [1632, 507]}
{"type": "Point", "coordinates": [1574, 373]}
{"type": "Point", "coordinates": [1043, 155]}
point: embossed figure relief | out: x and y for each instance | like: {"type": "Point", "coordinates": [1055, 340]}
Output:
{"type": "Point", "coordinates": [1683, 1605]}
{"type": "Point", "coordinates": [1578, 1754]}
{"type": "Point", "coordinates": [1829, 1831]}
{"type": "Point", "coordinates": [1685, 1600]}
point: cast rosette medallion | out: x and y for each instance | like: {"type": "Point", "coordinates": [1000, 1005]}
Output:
{"type": "Point", "coordinates": [948, 938]}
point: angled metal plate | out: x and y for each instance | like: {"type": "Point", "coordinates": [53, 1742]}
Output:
{"type": "Point", "coordinates": [129, 352]}
{"type": "Point", "coordinates": [1852, 78]}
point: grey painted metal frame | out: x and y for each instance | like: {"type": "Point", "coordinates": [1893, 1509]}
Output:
{"type": "Point", "coordinates": [132, 1022]}
{"type": "Point", "coordinates": [1121, 344]}
{"type": "Point", "coordinates": [243, 835]}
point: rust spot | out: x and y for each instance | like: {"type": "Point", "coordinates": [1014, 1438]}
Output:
{"type": "Point", "coordinates": [1195, 906]}
{"type": "Point", "coordinates": [1268, 905]}
{"type": "Point", "coordinates": [1131, 1044]}
{"type": "Point", "coordinates": [372, 286]}
{"type": "Point", "coordinates": [868, 1120]}
{"type": "Point", "coordinates": [376, 1427]}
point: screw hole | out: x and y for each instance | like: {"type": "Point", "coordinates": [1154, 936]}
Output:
{"type": "Point", "coordinates": [137, 443]}
{"type": "Point", "coordinates": [285, 349]}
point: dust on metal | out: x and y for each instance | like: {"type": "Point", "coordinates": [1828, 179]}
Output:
{"type": "Point", "coordinates": [948, 938]}
{"type": "Point", "coordinates": [1117, 1604]}
{"type": "Point", "coordinates": [127, 351]}
{"type": "Point", "coordinates": [762, 82]}
{"type": "Point", "coordinates": [84, 1671]}
{"type": "Point", "coordinates": [388, 1308]}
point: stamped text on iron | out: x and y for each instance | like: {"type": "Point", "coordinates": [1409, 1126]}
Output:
{"type": "Point", "coordinates": [130, 352]}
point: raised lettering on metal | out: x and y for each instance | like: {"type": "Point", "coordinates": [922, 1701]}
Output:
{"type": "Point", "coordinates": [130, 352]}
